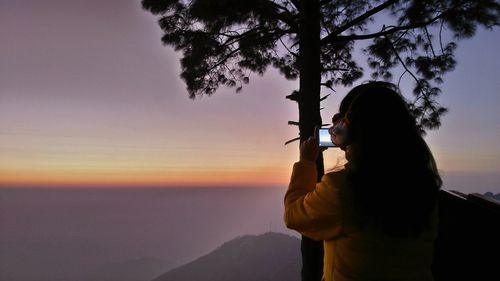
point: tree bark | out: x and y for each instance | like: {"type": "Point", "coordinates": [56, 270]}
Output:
{"type": "Point", "coordinates": [310, 116]}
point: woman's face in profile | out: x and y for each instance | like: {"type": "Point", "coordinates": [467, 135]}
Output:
{"type": "Point", "coordinates": [337, 129]}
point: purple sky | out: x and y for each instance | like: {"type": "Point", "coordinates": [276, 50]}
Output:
{"type": "Point", "coordinates": [89, 95]}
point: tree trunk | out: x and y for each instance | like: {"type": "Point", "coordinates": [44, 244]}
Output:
{"type": "Point", "coordinates": [309, 116]}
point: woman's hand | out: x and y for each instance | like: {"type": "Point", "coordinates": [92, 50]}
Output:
{"type": "Point", "coordinates": [309, 149]}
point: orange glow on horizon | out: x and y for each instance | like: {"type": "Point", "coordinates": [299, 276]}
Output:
{"type": "Point", "coordinates": [251, 178]}
{"type": "Point", "coordinates": [144, 161]}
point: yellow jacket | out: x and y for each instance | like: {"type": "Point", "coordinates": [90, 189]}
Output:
{"type": "Point", "coordinates": [319, 211]}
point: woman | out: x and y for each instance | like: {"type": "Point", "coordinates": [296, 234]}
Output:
{"type": "Point", "coordinates": [377, 215]}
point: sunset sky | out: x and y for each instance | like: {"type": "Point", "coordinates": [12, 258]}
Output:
{"type": "Point", "coordinates": [90, 97]}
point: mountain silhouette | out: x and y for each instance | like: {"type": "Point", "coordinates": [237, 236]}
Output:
{"type": "Point", "coordinates": [267, 257]}
{"type": "Point", "coordinates": [492, 195]}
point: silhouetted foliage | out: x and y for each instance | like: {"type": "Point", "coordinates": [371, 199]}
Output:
{"type": "Point", "coordinates": [223, 41]}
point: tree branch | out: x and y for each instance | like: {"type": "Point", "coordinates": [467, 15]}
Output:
{"type": "Point", "coordinates": [334, 69]}
{"type": "Point", "coordinates": [430, 41]}
{"type": "Point", "coordinates": [440, 36]}
{"type": "Point", "coordinates": [233, 39]}
{"type": "Point", "coordinates": [424, 95]}
{"type": "Point", "coordinates": [287, 17]}
{"type": "Point", "coordinates": [289, 51]}
{"type": "Point", "coordinates": [292, 140]}
{"type": "Point", "coordinates": [358, 20]}
{"type": "Point", "coordinates": [295, 3]}
{"type": "Point", "coordinates": [223, 60]}
{"type": "Point", "coordinates": [386, 31]}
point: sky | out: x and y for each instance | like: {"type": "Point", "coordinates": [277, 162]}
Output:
{"type": "Point", "coordinates": [90, 97]}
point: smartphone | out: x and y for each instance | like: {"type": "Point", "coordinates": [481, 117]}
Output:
{"type": "Point", "coordinates": [324, 138]}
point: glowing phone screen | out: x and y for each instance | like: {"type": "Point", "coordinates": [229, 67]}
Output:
{"type": "Point", "coordinates": [324, 138]}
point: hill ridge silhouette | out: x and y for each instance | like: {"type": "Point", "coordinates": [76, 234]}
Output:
{"type": "Point", "coordinates": [270, 256]}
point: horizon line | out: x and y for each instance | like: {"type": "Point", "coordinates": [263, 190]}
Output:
{"type": "Point", "coordinates": [142, 186]}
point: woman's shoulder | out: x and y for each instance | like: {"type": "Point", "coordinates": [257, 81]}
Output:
{"type": "Point", "coordinates": [337, 174]}
{"type": "Point", "coordinates": [337, 178]}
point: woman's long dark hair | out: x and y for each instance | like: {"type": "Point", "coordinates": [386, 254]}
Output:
{"type": "Point", "coordinates": [392, 171]}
